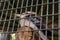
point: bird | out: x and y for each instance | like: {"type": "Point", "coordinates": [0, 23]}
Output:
{"type": "Point", "coordinates": [28, 19]}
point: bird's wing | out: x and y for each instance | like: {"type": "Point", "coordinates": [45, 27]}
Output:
{"type": "Point", "coordinates": [30, 24]}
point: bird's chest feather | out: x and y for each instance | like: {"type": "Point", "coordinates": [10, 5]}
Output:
{"type": "Point", "coordinates": [24, 34]}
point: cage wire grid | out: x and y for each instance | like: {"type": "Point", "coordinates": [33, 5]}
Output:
{"type": "Point", "coordinates": [47, 12]}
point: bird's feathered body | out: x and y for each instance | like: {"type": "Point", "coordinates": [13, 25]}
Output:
{"type": "Point", "coordinates": [28, 19]}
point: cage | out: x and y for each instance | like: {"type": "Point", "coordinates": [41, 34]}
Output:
{"type": "Point", "coordinates": [29, 19]}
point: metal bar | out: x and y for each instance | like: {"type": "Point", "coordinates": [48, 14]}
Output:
{"type": "Point", "coordinates": [21, 12]}
{"type": "Point", "coordinates": [30, 6]}
{"type": "Point", "coordinates": [2, 11]}
{"type": "Point", "coordinates": [0, 3]}
{"type": "Point", "coordinates": [14, 21]}
{"type": "Point", "coordinates": [5, 18]}
{"type": "Point", "coordinates": [47, 17]}
{"type": "Point", "coordinates": [41, 14]}
{"type": "Point", "coordinates": [20, 18]}
{"type": "Point", "coordinates": [41, 17]}
{"type": "Point", "coordinates": [9, 21]}
{"type": "Point", "coordinates": [36, 16]}
{"type": "Point", "coordinates": [2, 15]}
{"type": "Point", "coordinates": [30, 19]}
{"type": "Point", "coordinates": [26, 5]}
{"type": "Point", "coordinates": [52, 19]}
{"type": "Point", "coordinates": [59, 20]}
{"type": "Point", "coordinates": [33, 30]}
{"type": "Point", "coordinates": [15, 18]}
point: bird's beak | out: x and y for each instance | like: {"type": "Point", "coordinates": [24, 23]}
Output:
{"type": "Point", "coordinates": [18, 15]}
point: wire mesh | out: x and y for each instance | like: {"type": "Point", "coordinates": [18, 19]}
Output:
{"type": "Point", "coordinates": [42, 16]}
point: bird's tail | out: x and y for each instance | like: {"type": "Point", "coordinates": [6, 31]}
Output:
{"type": "Point", "coordinates": [43, 37]}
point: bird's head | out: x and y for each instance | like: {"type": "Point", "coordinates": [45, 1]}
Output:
{"type": "Point", "coordinates": [26, 14]}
